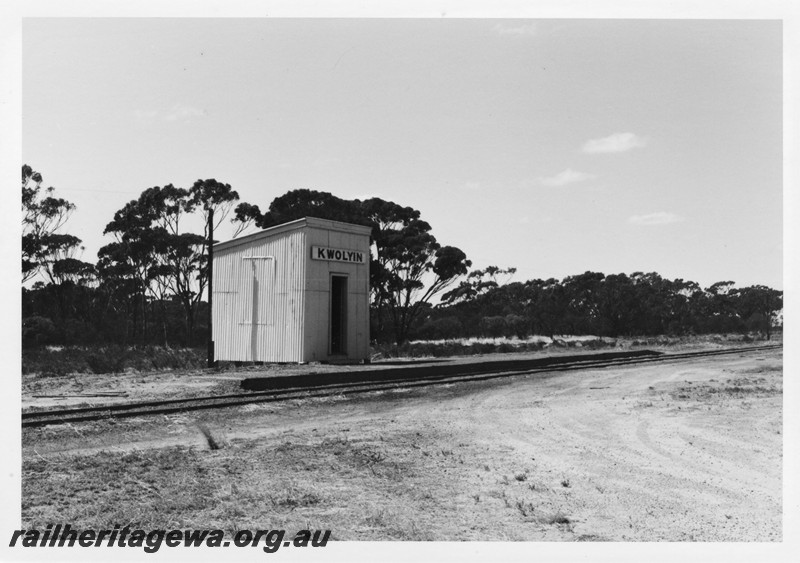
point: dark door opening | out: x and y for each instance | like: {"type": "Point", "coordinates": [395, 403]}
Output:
{"type": "Point", "coordinates": [338, 315]}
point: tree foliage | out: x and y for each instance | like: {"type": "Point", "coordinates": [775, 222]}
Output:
{"type": "Point", "coordinates": [477, 283]}
{"type": "Point", "coordinates": [408, 266]}
{"type": "Point", "coordinates": [43, 215]}
{"type": "Point", "coordinates": [148, 283]}
{"type": "Point", "coordinates": [607, 305]}
{"type": "Point", "coordinates": [153, 257]}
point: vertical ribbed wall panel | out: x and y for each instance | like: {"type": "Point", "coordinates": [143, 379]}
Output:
{"type": "Point", "coordinates": [258, 302]}
{"type": "Point", "coordinates": [318, 280]}
{"type": "Point", "coordinates": [277, 309]}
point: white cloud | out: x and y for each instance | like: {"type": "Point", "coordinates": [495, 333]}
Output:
{"type": "Point", "coordinates": [568, 176]}
{"type": "Point", "coordinates": [618, 142]}
{"type": "Point", "coordinates": [471, 186]}
{"type": "Point", "coordinates": [521, 29]}
{"type": "Point", "coordinates": [658, 218]}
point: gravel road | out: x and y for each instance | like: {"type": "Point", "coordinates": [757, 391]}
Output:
{"type": "Point", "coordinates": [669, 452]}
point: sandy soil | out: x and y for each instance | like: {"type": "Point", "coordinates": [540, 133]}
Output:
{"type": "Point", "coordinates": [86, 389]}
{"type": "Point", "coordinates": [104, 389]}
{"type": "Point", "coordinates": [675, 452]}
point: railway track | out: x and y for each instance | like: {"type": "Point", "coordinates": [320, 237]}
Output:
{"type": "Point", "coordinates": [288, 388]}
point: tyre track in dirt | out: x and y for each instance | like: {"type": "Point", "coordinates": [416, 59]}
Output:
{"type": "Point", "coordinates": [655, 455]}
{"type": "Point", "coordinates": [613, 449]}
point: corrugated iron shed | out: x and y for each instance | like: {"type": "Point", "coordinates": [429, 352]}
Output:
{"type": "Point", "coordinates": [297, 292]}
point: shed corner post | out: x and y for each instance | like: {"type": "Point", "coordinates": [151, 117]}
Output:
{"type": "Point", "coordinates": [210, 359]}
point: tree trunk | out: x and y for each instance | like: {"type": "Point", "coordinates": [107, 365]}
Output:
{"type": "Point", "coordinates": [144, 318]}
{"type": "Point", "coordinates": [164, 322]}
{"type": "Point", "coordinates": [189, 323]}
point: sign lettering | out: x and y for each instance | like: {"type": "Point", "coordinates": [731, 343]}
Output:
{"type": "Point", "coordinates": [338, 255]}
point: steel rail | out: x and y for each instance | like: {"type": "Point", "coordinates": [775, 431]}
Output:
{"type": "Point", "coordinates": [472, 373]}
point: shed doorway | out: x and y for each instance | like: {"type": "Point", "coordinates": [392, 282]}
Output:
{"type": "Point", "coordinates": [338, 344]}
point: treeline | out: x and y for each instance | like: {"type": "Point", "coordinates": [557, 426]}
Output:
{"type": "Point", "coordinates": [75, 313]}
{"type": "Point", "coordinates": [639, 304]}
{"type": "Point", "coordinates": [149, 283]}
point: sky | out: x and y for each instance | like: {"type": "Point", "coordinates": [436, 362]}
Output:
{"type": "Point", "coordinates": [554, 146]}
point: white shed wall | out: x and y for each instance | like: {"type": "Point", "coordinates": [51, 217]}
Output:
{"type": "Point", "coordinates": [258, 304]}
{"type": "Point", "coordinates": [318, 297]}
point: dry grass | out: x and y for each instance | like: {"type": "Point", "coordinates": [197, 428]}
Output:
{"type": "Point", "coordinates": [357, 471]}
{"type": "Point", "coordinates": [64, 360]}
{"type": "Point", "coordinates": [385, 487]}
{"type": "Point", "coordinates": [245, 485]}
{"type": "Point", "coordinates": [733, 388]}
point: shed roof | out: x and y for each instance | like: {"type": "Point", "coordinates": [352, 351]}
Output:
{"type": "Point", "coordinates": [294, 225]}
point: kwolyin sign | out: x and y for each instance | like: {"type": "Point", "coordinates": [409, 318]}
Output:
{"type": "Point", "coordinates": [337, 255]}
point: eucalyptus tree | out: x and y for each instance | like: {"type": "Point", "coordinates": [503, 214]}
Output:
{"type": "Point", "coordinates": [757, 306]}
{"type": "Point", "coordinates": [408, 266]}
{"type": "Point", "coordinates": [245, 216]}
{"type": "Point", "coordinates": [43, 215]}
{"type": "Point", "coordinates": [477, 283]}
{"type": "Point", "coordinates": [127, 264]}
{"type": "Point", "coordinates": [155, 250]}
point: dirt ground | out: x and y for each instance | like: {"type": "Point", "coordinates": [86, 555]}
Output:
{"type": "Point", "coordinates": [84, 389]}
{"type": "Point", "coordinates": [688, 451]}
